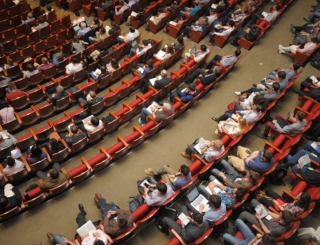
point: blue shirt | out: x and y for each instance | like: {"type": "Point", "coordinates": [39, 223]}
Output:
{"type": "Point", "coordinates": [186, 97]}
{"type": "Point", "coordinates": [179, 182]}
{"type": "Point", "coordinates": [227, 197]}
{"type": "Point", "coordinates": [194, 10]}
{"type": "Point", "coordinates": [257, 164]}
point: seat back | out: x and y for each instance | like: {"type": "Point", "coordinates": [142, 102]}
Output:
{"type": "Point", "coordinates": [60, 156]}
{"type": "Point", "coordinates": [20, 102]}
{"type": "Point", "coordinates": [97, 108]}
{"type": "Point", "coordinates": [39, 165]}
{"type": "Point", "coordinates": [78, 146]}
{"type": "Point", "coordinates": [5, 152]}
{"type": "Point", "coordinates": [50, 72]}
{"type": "Point", "coordinates": [80, 75]}
{"type": "Point", "coordinates": [12, 126]}
{"type": "Point", "coordinates": [59, 188]}
{"type": "Point", "coordinates": [9, 214]}
{"type": "Point", "coordinates": [36, 79]}
{"type": "Point", "coordinates": [96, 135]}
{"type": "Point", "coordinates": [14, 72]}
{"type": "Point", "coordinates": [62, 103]}
{"type": "Point", "coordinates": [116, 74]}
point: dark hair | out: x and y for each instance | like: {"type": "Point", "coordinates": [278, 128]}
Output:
{"type": "Point", "coordinates": [36, 152]}
{"type": "Point", "coordinates": [237, 52]}
{"type": "Point", "coordinates": [48, 7]}
{"type": "Point", "coordinates": [304, 200]}
{"type": "Point", "coordinates": [254, 175]}
{"type": "Point", "coordinates": [239, 193]}
{"type": "Point", "coordinates": [103, 30]}
{"type": "Point", "coordinates": [150, 63]}
{"type": "Point", "coordinates": [282, 74]}
{"type": "Point", "coordinates": [215, 201]}
{"type": "Point", "coordinates": [12, 86]}
{"type": "Point", "coordinates": [98, 242]}
{"type": "Point", "coordinates": [278, 7]}
{"type": "Point", "coordinates": [197, 217]}
{"type": "Point", "coordinates": [41, 20]}
{"type": "Point", "coordinates": [300, 115]}
{"type": "Point", "coordinates": [145, 42]}
{"type": "Point", "coordinates": [54, 174]}
{"type": "Point", "coordinates": [10, 161]}
{"type": "Point", "coordinates": [77, 13]}
{"type": "Point", "coordinates": [3, 201]}
{"type": "Point", "coordinates": [103, 69]}
{"type": "Point", "coordinates": [74, 129]}
{"type": "Point", "coordinates": [170, 49]}
{"type": "Point", "coordinates": [287, 216]}
{"type": "Point", "coordinates": [54, 144]}
{"type": "Point", "coordinates": [192, 87]}
{"type": "Point", "coordinates": [114, 63]}
{"type": "Point", "coordinates": [180, 39]}
{"type": "Point", "coordinates": [268, 239]}
{"type": "Point", "coordinates": [203, 47]}
{"type": "Point", "coordinates": [296, 66]}
{"type": "Point", "coordinates": [268, 155]}
{"type": "Point", "coordinates": [276, 86]}
{"type": "Point", "coordinates": [131, 29]}
{"type": "Point", "coordinates": [29, 67]}
{"type": "Point", "coordinates": [94, 121]}
{"type": "Point", "coordinates": [184, 170]}
{"type": "Point", "coordinates": [259, 100]}
{"type": "Point", "coordinates": [162, 187]}
{"type": "Point", "coordinates": [122, 221]}
{"type": "Point", "coordinates": [96, 20]}
{"type": "Point", "coordinates": [231, 22]}
{"type": "Point", "coordinates": [74, 60]}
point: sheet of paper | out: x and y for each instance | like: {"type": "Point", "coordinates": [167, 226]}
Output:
{"type": "Point", "coordinates": [4, 136]}
{"type": "Point", "coordinates": [197, 147]}
{"type": "Point", "coordinates": [261, 210]}
{"type": "Point", "coordinates": [144, 182]}
{"type": "Point", "coordinates": [316, 146]}
{"type": "Point", "coordinates": [304, 160]}
{"type": "Point", "coordinates": [216, 189]}
{"type": "Point", "coordinates": [153, 80]}
{"type": "Point", "coordinates": [317, 233]}
{"type": "Point", "coordinates": [184, 219]}
{"type": "Point", "coordinates": [173, 23]}
{"type": "Point", "coordinates": [213, 6]}
{"type": "Point", "coordinates": [8, 193]}
{"type": "Point", "coordinates": [133, 14]}
{"type": "Point", "coordinates": [161, 53]}
{"type": "Point", "coordinates": [265, 14]}
{"type": "Point", "coordinates": [16, 153]}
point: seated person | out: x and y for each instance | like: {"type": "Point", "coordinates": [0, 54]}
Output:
{"type": "Point", "coordinates": [206, 76]}
{"type": "Point", "coordinates": [159, 113]}
{"type": "Point", "coordinates": [259, 161]}
{"type": "Point", "coordinates": [92, 126]}
{"type": "Point", "coordinates": [290, 72]}
{"type": "Point", "coordinates": [144, 69]}
{"type": "Point", "coordinates": [9, 64]}
{"type": "Point", "coordinates": [180, 44]}
{"type": "Point", "coordinates": [100, 35]}
{"type": "Point", "coordinates": [7, 114]}
{"type": "Point", "coordinates": [192, 231]}
{"type": "Point", "coordinates": [141, 49]}
{"type": "Point", "coordinates": [314, 149]}
{"type": "Point", "coordinates": [227, 195]}
{"type": "Point", "coordinates": [6, 139]}
{"type": "Point", "coordinates": [29, 18]}
{"type": "Point", "coordinates": [78, 19]}
{"type": "Point", "coordinates": [292, 129]}
{"type": "Point", "coordinates": [249, 237]}
{"type": "Point", "coordinates": [185, 95]}
{"type": "Point", "coordinates": [297, 207]}
{"type": "Point", "coordinates": [52, 179]}
{"type": "Point", "coordinates": [307, 235]}
{"type": "Point", "coordinates": [171, 177]}
{"type": "Point", "coordinates": [45, 64]}
{"type": "Point", "coordinates": [104, 5]}
{"type": "Point", "coordinates": [59, 94]}
{"type": "Point", "coordinates": [226, 60]}
{"type": "Point", "coordinates": [236, 15]}
{"type": "Point", "coordinates": [13, 165]}
{"type": "Point", "coordinates": [157, 197]}
{"type": "Point", "coordinates": [118, 9]}
{"type": "Point", "coordinates": [54, 146]}
{"type": "Point", "coordinates": [280, 77]}
{"type": "Point", "coordinates": [113, 226]}
{"type": "Point", "coordinates": [77, 45]}
{"type": "Point", "coordinates": [199, 27]}
{"type": "Point", "coordinates": [230, 177]}
{"type": "Point", "coordinates": [129, 36]}
{"type": "Point", "coordinates": [173, 6]}
{"type": "Point", "coordinates": [114, 27]}
{"type": "Point", "coordinates": [57, 58]}
{"type": "Point", "coordinates": [99, 53]}
{"type": "Point", "coordinates": [222, 31]}
{"type": "Point", "coordinates": [35, 154]}
{"type": "Point", "coordinates": [156, 19]}
{"type": "Point", "coordinates": [268, 17]}
{"type": "Point", "coordinates": [191, 11]}
{"type": "Point", "coordinates": [160, 82]}
{"type": "Point", "coordinates": [140, 12]}
{"type": "Point", "coordinates": [181, 19]}
{"type": "Point", "coordinates": [232, 127]}
{"type": "Point", "coordinates": [74, 66]}
{"type": "Point", "coordinates": [217, 209]}
{"type": "Point", "coordinates": [250, 34]}
{"type": "Point", "coordinates": [83, 29]}
{"type": "Point", "coordinates": [8, 203]}
{"type": "Point", "coordinates": [112, 65]}
{"type": "Point", "coordinates": [103, 74]}
{"type": "Point", "coordinates": [198, 56]}
{"type": "Point", "coordinates": [42, 24]}
{"type": "Point", "coordinates": [209, 149]}
{"type": "Point", "coordinates": [73, 135]}
{"type": "Point", "coordinates": [309, 83]}
{"type": "Point", "coordinates": [30, 70]}
{"type": "Point", "coordinates": [276, 227]}
{"type": "Point", "coordinates": [307, 48]}
{"type": "Point", "coordinates": [212, 16]}
{"type": "Point", "coordinates": [90, 99]}
{"type": "Point", "coordinates": [221, 6]}
{"type": "Point", "coordinates": [169, 51]}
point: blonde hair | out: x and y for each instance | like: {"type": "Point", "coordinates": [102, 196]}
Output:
{"type": "Point", "coordinates": [242, 124]}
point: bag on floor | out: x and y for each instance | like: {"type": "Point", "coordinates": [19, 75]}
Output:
{"type": "Point", "coordinates": [278, 174]}
{"type": "Point", "coordinates": [136, 202]}
{"type": "Point", "coordinates": [316, 63]}
{"type": "Point", "coordinates": [171, 213]}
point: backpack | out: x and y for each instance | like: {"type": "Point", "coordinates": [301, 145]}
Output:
{"type": "Point", "coordinates": [278, 174]}
{"type": "Point", "coordinates": [136, 202]}
{"type": "Point", "coordinates": [171, 213]}
{"type": "Point", "coordinates": [316, 63]}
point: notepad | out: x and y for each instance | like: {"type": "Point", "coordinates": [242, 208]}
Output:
{"type": "Point", "coordinates": [261, 210]}
{"type": "Point", "coordinates": [134, 14]}
{"type": "Point", "coordinates": [16, 153]}
{"type": "Point", "coordinates": [265, 14]}
{"type": "Point", "coordinates": [304, 160]}
{"type": "Point", "coordinates": [184, 219]}
{"type": "Point", "coordinates": [173, 23]}
{"type": "Point", "coordinates": [153, 80]}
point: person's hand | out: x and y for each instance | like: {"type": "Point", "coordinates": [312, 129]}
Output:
{"type": "Point", "coordinates": [145, 188]}
{"type": "Point", "coordinates": [258, 216]}
{"type": "Point", "coordinates": [258, 235]}
{"type": "Point", "coordinates": [8, 134]}
{"type": "Point", "coordinates": [298, 165]}
{"type": "Point", "coordinates": [274, 121]}
{"type": "Point", "coordinates": [200, 75]}
{"type": "Point", "coordinates": [275, 202]}
{"type": "Point", "coordinates": [201, 207]}
{"type": "Point", "coordinates": [189, 218]}
{"type": "Point", "coordinates": [257, 93]}
{"type": "Point", "coordinates": [96, 234]}
{"type": "Point", "coordinates": [211, 184]}
{"type": "Point", "coordinates": [153, 109]}
{"type": "Point", "coordinates": [241, 169]}
{"type": "Point", "coordinates": [221, 174]}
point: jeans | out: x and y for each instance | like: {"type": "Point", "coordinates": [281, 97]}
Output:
{"type": "Point", "coordinates": [314, 15]}
{"type": "Point", "coordinates": [91, 39]}
{"type": "Point", "coordinates": [186, 31]}
{"type": "Point", "coordinates": [103, 203]}
{"type": "Point", "coordinates": [59, 239]}
{"type": "Point", "coordinates": [42, 175]}
{"type": "Point", "coordinates": [293, 160]}
{"type": "Point", "coordinates": [144, 114]}
{"type": "Point", "coordinates": [202, 188]}
{"type": "Point", "coordinates": [211, 37]}
{"type": "Point", "coordinates": [245, 231]}
{"type": "Point", "coordinates": [229, 173]}
{"type": "Point", "coordinates": [132, 50]}
{"type": "Point", "coordinates": [119, 40]}
{"type": "Point", "coordinates": [312, 150]}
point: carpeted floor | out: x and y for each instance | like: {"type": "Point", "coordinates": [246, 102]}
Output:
{"type": "Point", "coordinates": [118, 181]}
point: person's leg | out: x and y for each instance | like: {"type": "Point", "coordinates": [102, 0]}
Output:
{"type": "Point", "coordinates": [13, 139]}
{"type": "Point", "coordinates": [187, 31]}
{"type": "Point", "coordinates": [190, 149]}
{"type": "Point", "coordinates": [254, 18]}
{"type": "Point", "coordinates": [111, 15]}
{"type": "Point", "coordinates": [230, 173]}
{"type": "Point", "coordinates": [91, 40]}
{"type": "Point", "coordinates": [163, 170]}
{"type": "Point", "coordinates": [269, 126]}
{"type": "Point", "coordinates": [144, 114]}
{"type": "Point", "coordinates": [171, 224]}
{"type": "Point", "coordinates": [58, 239]}
{"type": "Point", "coordinates": [119, 40]}
{"type": "Point", "coordinates": [203, 191]}
{"type": "Point", "coordinates": [242, 152]}
{"type": "Point", "coordinates": [83, 101]}
{"type": "Point", "coordinates": [306, 83]}
{"type": "Point", "coordinates": [131, 53]}
{"type": "Point", "coordinates": [81, 219]}
{"type": "Point", "coordinates": [254, 203]}
{"type": "Point", "coordinates": [245, 230]}
{"type": "Point", "coordinates": [211, 38]}
{"type": "Point", "coordinates": [236, 162]}
{"type": "Point", "coordinates": [211, 63]}
{"type": "Point", "coordinates": [246, 216]}
{"type": "Point", "coordinates": [188, 206]}
{"type": "Point", "coordinates": [56, 166]}
{"type": "Point", "coordinates": [193, 76]}
{"type": "Point", "coordinates": [238, 107]}
{"type": "Point", "coordinates": [274, 195]}
{"type": "Point", "coordinates": [266, 202]}
{"type": "Point", "coordinates": [287, 49]}
{"type": "Point", "coordinates": [233, 240]}
{"type": "Point", "coordinates": [224, 116]}
{"type": "Point", "coordinates": [102, 205]}
{"type": "Point", "coordinates": [186, 57]}
{"type": "Point", "coordinates": [41, 175]}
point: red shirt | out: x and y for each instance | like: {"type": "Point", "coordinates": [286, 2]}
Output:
{"type": "Point", "coordinates": [14, 94]}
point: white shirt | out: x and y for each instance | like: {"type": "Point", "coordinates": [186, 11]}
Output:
{"type": "Point", "coordinates": [145, 49]}
{"type": "Point", "coordinates": [212, 18]}
{"type": "Point", "coordinates": [89, 240]}
{"type": "Point", "coordinates": [156, 199]}
{"type": "Point", "coordinates": [212, 153]}
{"type": "Point", "coordinates": [250, 115]}
{"type": "Point", "coordinates": [78, 21]}
{"type": "Point", "coordinates": [130, 36]}
{"type": "Point", "coordinates": [16, 167]}
{"type": "Point", "coordinates": [73, 68]}
{"type": "Point", "coordinates": [200, 55]}
{"type": "Point", "coordinates": [90, 128]}
{"type": "Point", "coordinates": [226, 31]}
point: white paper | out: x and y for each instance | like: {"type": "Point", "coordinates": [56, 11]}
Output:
{"type": "Point", "coordinates": [269, 217]}
{"type": "Point", "coordinates": [314, 79]}
{"type": "Point", "coordinates": [213, 6]}
{"type": "Point", "coordinates": [87, 119]}
{"type": "Point", "coordinates": [149, 108]}
{"type": "Point", "coordinates": [251, 97]}
{"type": "Point", "coordinates": [153, 80]}
{"type": "Point", "coordinates": [144, 182]}
{"type": "Point", "coordinates": [4, 136]}
{"type": "Point", "coordinates": [8, 193]}
{"type": "Point", "coordinates": [173, 23]}
{"type": "Point", "coordinates": [265, 14]}
{"type": "Point", "coordinates": [216, 189]}
{"type": "Point", "coordinates": [218, 26]}
{"type": "Point", "coordinates": [316, 147]}
{"type": "Point", "coordinates": [261, 210]}
{"type": "Point", "coordinates": [97, 72]}
{"type": "Point", "coordinates": [133, 14]}
{"type": "Point", "coordinates": [15, 153]}
{"type": "Point", "coordinates": [304, 160]}
{"type": "Point", "coordinates": [161, 53]}
{"type": "Point", "coordinates": [184, 219]}
{"type": "Point", "coordinates": [317, 233]}
{"type": "Point", "coordinates": [235, 117]}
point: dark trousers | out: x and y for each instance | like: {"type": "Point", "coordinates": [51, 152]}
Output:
{"type": "Point", "coordinates": [194, 75]}
{"type": "Point", "coordinates": [190, 149]}
{"type": "Point", "coordinates": [171, 224]}
{"type": "Point", "coordinates": [255, 17]}
{"type": "Point", "coordinates": [111, 15]}
{"type": "Point", "coordinates": [225, 116]}
{"type": "Point", "coordinates": [250, 91]}
{"type": "Point", "coordinates": [274, 196]}
{"type": "Point", "coordinates": [215, 59]}
{"type": "Point", "coordinates": [225, 18]}
{"type": "Point", "coordinates": [307, 83]}
{"type": "Point", "coordinates": [304, 27]}
{"type": "Point", "coordinates": [42, 175]}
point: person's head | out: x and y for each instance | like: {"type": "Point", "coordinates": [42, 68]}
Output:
{"type": "Point", "coordinates": [276, 86]}
{"type": "Point", "coordinates": [3, 201]}
{"type": "Point", "coordinates": [278, 7]}
{"type": "Point", "coordinates": [203, 48]}
{"type": "Point", "coordinates": [74, 129]}
{"type": "Point", "coordinates": [180, 39]}
{"type": "Point", "coordinates": [10, 161]}
{"type": "Point", "coordinates": [282, 75]}
{"type": "Point", "coordinates": [103, 30]}
{"type": "Point", "coordinates": [49, 8]}
{"type": "Point", "coordinates": [114, 63]}
{"type": "Point", "coordinates": [41, 20]}
{"type": "Point", "coordinates": [161, 187]}
{"type": "Point", "coordinates": [131, 29]}
{"type": "Point", "coordinates": [121, 2]}
{"type": "Point", "coordinates": [166, 107]}
{"type": "Point", "coordinates": [268, 239]}
{"type": "Point", "coordinates": [196, 3]}
{"type": "Point", "coordinates": [191, 87]}
{"type": "Point", "coordinates": [225, 2]}
{"type": "Point", "coordinates": [94, 121]}
{"type": "Point", "coordinates": [300, 115]}
{"type": "Point", "coordinates": [74, 60]}
{"type": "Point", "coordinates": [10, 61]}
{"type": "Point", "coordinates": [98, 242]}
{"type": "Point", "coordinates": [215, 201]}
{"type": "Point", "coordinates": [12, 86]}
{"type": "Point", "coordinates": [77, 13]}
{"type": "Point", "coordinates": [145, 42]}
{"type": "Point", "coordinates": [287, 216]}
{"type": "Point", "coordinates": [184, 169]}
{"type": "Point", "coordinates": [36, 151]}
{"type": "Point", "coordinates": [59, 56]}
{"type": "Point", "coordinates": [239, 193]}
{"type": "Point", "coordinates": [83, 25]}
{"type": "Point", "coordinates": [303, 200]}
{"type": "Point", "coordinates": [212, 11]}
{"type": "Point", "coordinates": [103, 69]}
{"type": "Point", "coordinates": [101, 47]}
{"type": "Point", "coordinates": [267, 155]}
{"type": "Point", "coordinates": [53, 143]}
{"type": "Point", "coordinates": [163, 73]}
{"type": "Point", "coordinates": [150, 63]}
{"type": "Point", "coordinates": [237, 52]}
{"type": "Point", "coordinates": [295, 66]}
{"type": "Point", "coordinates": [231, 23]}
{"type": "Point", "coordinates": [217, 70]}
{"type": "Point", "coordinates": [242, 124]}
{"type": "Point", "coordinates": [76, 39]}
{"type": "Point", "coordinates": [54, 174]}
{"type": "Point", "coordinates": [160, 10]}
{"type": "Point", "coordinates": [122, 221]}
{"type": "Point", "coordinates": [170, 49]}
{"type": "Point", "coordinates": [44, 60]}
{"type": "Point", "coordinates": [92, 94]}
{"type": "Point", "coordinates": [198, 218]}
{"type": "Point", "coordinates": [96, 21]}
{"type": "Point", "coordinates": [217, 144]}
{"type": "Point", "coordinates": [59, 89]}
{"type": "Point", "coordinates": [30, 15]}
{"type": "Point", "coordinates": [253, 175]}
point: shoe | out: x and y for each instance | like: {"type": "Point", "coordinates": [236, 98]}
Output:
{"type": "Point", "coordinates": [281, 50]}
{"type": "Point", "coordinates": [81, 208]}
{"type": "Point", "coordinates": [262, 136]}
{"type": "Point", "coordinates": [296, 91]}
{"type": "Point", "coordinates": [127, 24]}
{"type": "Point", "coordinates": [254, 85]}
{"type": "Point", "coordinates": [96, 198]}
{"type": "Point", "coordinates": [217, 132]}
{"type": "Point", "coordinates": [237, 93]}
{"type": "Point", "coordinates": [186, 155]}
{"type": "Point", "coordinates": [214, 119]}
{"type": "Point", "coordinates": [306, 19]}
{"type": "Point", "coordinates": [50, 236]}
{"type": "Point", "coordinates": [148, 172]}
{"type": "Point", "coordinates": [147, 29]}
{"type": "Point", "coordinates": [141, 122]}
{"type": "Point", "coordinates": [293, 29]}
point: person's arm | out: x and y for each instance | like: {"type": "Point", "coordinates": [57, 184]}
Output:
{"type": "Point", "coordinates": [273, 215]}
{"type": "Point", "coordinates": [251, 157]}
{"type": "Point", "coordinates": [264, 228]}
{"type": "Point", "coordinates": [256, 239]}
{"type": "Point", "coordinates": [171, 178]}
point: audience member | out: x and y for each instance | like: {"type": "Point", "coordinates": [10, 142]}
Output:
{"type": "Point", "coordinates": [113, 65]}
{"type": "Point", "coordinates": [35, 154]}
{"type": "Point", "coordinates": [30, 70]}
{"type": "Point", "coordinates": [54, 146]}
{"type": "Point", "coordinates": [156, 19]}
{"type": "Point", "coordinates": [268, 17]}
{"type": "Point", "coordinates": [160, 82]}
{"type": "Point", "coordinates": [58, 95]}
{"type": "Point", "coordinates": [73, 66]}
{"type": "Point", "coordinates": [78, 19]}
{"type": "Point", "coordinates": [222, 31]}
{"type": "Point", "coordinates": [141, 49]}
{"type": "Point", "coordinates": [199, 54]}
{"type": "Point", "coordinates": [52, 179]}
{"type": "Point", "coordinates": [226, 60]}
{"type": "Point", "coordinates": [185, 95]}
{"type": "Point", "coordinates": [307, 49]}
{"type": "Point", "coordinates": [199, 27]}
{"type": "Point", "coordinates": [157, 112]}
{"type": "Point", "coordinates": [157, 197]}
{"type": "Point", "coordinates": [8, 203]}
{"type": "Point", "coordinates": [6, 139]}
{"type": "Point", "coordinates": [77, 45]}
{"type": "Point", "coordinates": [250, 34]}
{"type": "Point", "coordinates": [83, 29]}
{"type": "Point", "coordinates": [119, 9]}
{"type": "Point", "coordinates": [73, 135]}
{"type": "Point", "coordinates": [13, 165]}
{"type": "Point", "coordinates": [42, 24]}
{"type": "Point", "coordinates": [90, 99]}
{"type": "Point", "coordinates": [206, 76]}
{"type": "Point", "coordinates": [7, 114]}
{"type": "Point", "coordinates": [232, 127]}
{"type": "Point", "coordinates": [45, 64]}
{"type": "Point", "coordinates": [168, 52]}
{"type": "Point", "coordinates": [93, 125]}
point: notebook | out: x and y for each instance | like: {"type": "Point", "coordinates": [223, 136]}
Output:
{"type": "Point", "coordinates": [133, 14]}
{"type": "Point", "coordinates": [134, 44]}
{"type": "Point", "coordinates": [281, 121]}
{"type": "Point", "coordinates": [173, 23]}
{"type": "Point", "coordinates": [195, 199]}
{"type": "Point", "coordinates": [184, 219]}
{"type": "Point", "coordinates": [304, 160]}
{"type": "Point", "coordinates": [216, 189]}
{"type": "Point", "coordinates": [86, 228]}
{"type": "Point", "coordinates": [261, 210]}
{"type": "Point", "coordinates": [193, 50]}
{"type": "Point", "coordinates": [153, 80]}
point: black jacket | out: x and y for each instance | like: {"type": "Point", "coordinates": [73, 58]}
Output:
{"type": "Point", "coordinates": [159, 84]}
